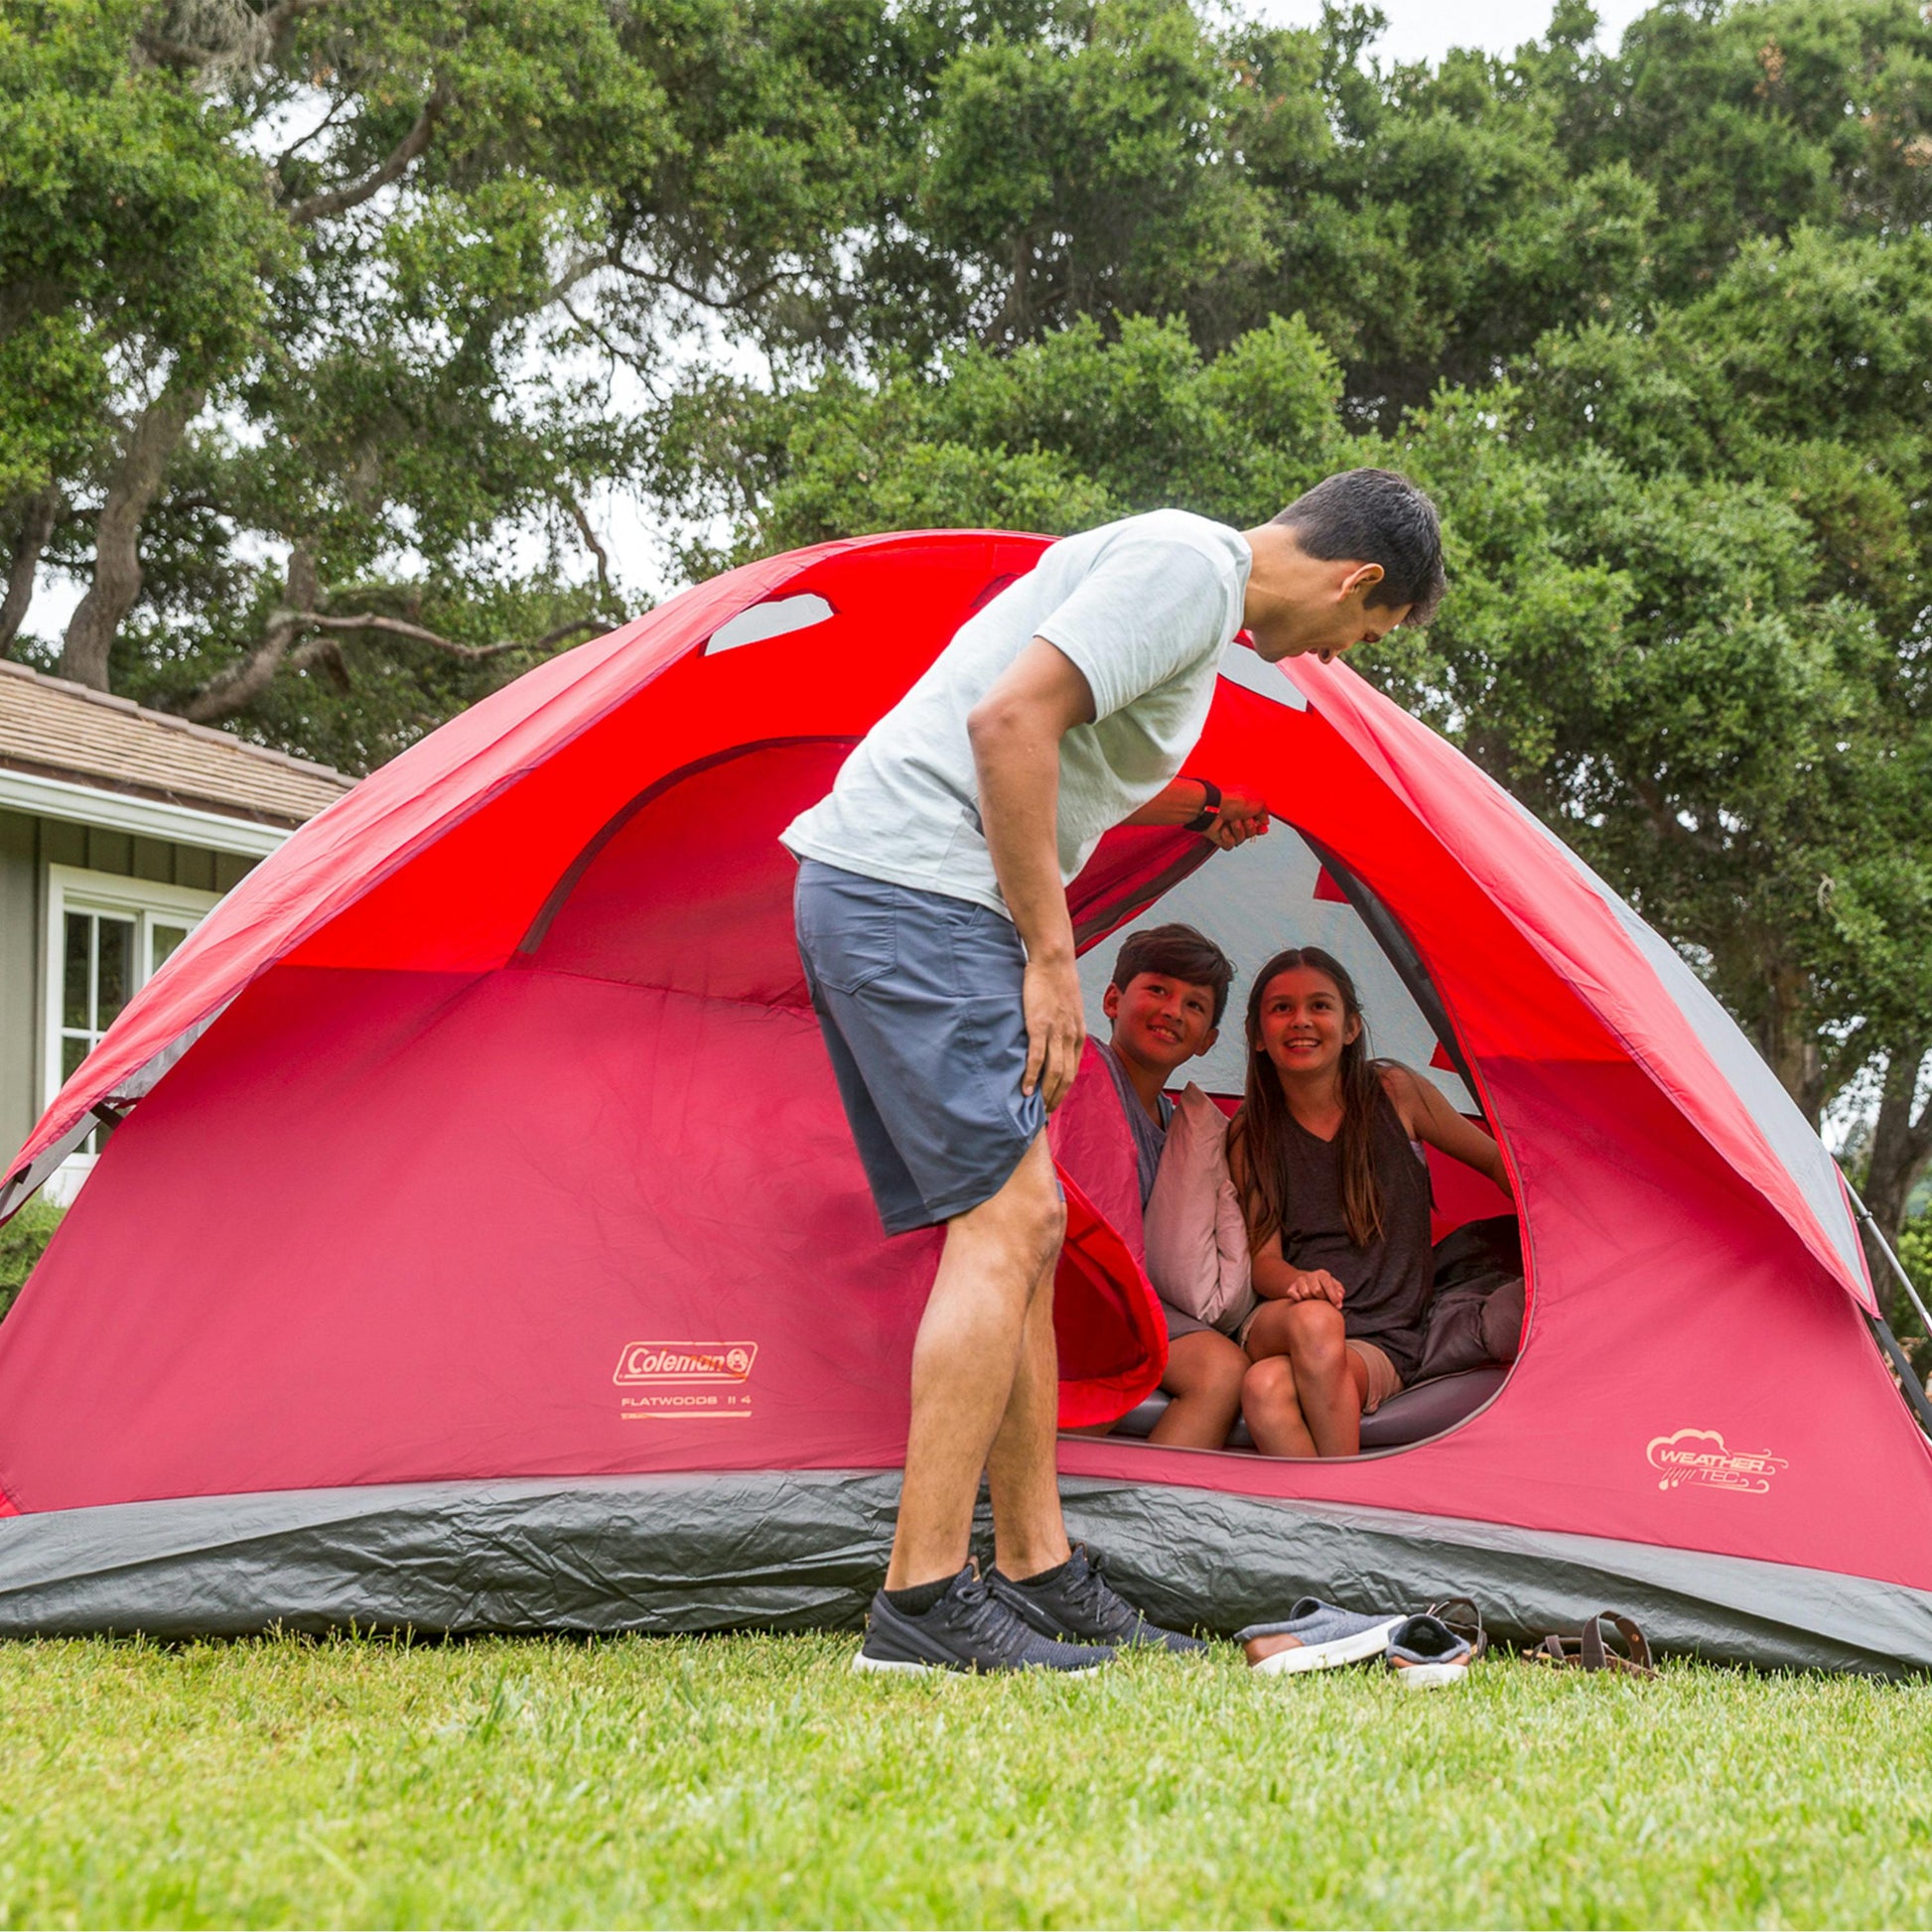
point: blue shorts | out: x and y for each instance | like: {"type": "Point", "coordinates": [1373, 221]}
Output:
{"type": "Point", "coordinates": [920, 998]}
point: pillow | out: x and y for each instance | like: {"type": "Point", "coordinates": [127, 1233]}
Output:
{"type": "Point", "coordinates": [1197, 1239]}
{"type": "Point", "coordinates": [1471, 1324]}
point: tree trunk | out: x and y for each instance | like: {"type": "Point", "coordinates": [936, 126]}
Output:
{"type": "Point", "coordinates": [37, 525]}
{"type": "Point", "coordinates": [1788, 1039]}
{"type": "Point", "coordinates": [137, 478]}
{"type": "Point", "coordinates": [236, 686]}
{"type": "Point", "coordinates": [1901, 1146]}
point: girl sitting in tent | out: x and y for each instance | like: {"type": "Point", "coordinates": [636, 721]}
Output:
{"type": "Point", "coordinates": [1326, 1156]}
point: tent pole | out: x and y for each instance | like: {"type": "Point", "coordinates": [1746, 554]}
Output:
{"type": "Point", "coordinates": [1885, 1247]}
{"type": "Point", "coordinates": [1901, 1363]}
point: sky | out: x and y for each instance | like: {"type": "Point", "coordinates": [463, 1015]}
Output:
{"type": "Point", "coordinates": [1418, 30]}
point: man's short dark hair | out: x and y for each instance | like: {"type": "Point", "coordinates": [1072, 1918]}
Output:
{"type": "Point", "coordinates": [1375, 516]}
{"type": "Point", "coordinates": [1177, 952]}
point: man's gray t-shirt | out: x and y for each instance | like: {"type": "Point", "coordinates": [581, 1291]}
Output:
{"type": "Point", "coordinates": [1144, 608]}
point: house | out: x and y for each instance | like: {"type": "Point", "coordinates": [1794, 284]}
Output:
{"type": "Point", "coordinates": [119, 828]}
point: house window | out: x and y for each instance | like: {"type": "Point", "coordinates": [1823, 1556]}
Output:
{"type": "Point", "coordinates": [107, 936]}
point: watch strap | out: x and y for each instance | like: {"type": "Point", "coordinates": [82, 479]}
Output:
{"type": "Point", "coordinates": [1210, 809]}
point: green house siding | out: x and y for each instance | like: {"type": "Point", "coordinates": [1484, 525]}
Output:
{"type": "Point", "coordinates": [28, 846]}
{"type": "Point", "coordinates": [20, 977]}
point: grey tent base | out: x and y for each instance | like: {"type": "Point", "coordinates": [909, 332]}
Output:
{"type": "Point", "coordinates": [804, 1549]}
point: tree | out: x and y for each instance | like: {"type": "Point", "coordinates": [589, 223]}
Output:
{"type": "Point", "coordinates": [135, 246]}
{"type": "Point", "coordinates": [1431, 224]}
{"type": "Point", "coordinates": [1754, 121]}
{"type": "Point", "coordinates": [1089, 169]}
{"type": "Point", "coordinates": [1800, 375]}
{"type": "Point", "coordinates": [349, 307]}
{"type": "Point", "coordinates": [1059, 435]}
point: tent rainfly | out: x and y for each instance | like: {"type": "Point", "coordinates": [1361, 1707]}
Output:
{"type": "Point", "coordinates": [480, 1243]}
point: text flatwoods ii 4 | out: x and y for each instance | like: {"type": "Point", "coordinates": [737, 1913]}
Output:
{"type": "Point", "coordinates": [685, 1379]}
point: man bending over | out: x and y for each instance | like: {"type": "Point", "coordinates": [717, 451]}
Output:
{"type": "Point", "coordinates": [932, 922]}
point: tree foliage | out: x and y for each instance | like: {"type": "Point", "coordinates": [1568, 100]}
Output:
{"type": "Point", "coordinates": [349, 307]}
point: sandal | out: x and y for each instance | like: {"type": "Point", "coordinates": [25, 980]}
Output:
{"type": "Point", "coordinates": [1588, 1651]}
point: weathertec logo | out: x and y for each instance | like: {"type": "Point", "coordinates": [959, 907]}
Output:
{"type": "Point", "coordinates": [685, 1362]}
{"type": "Point", "coordinates": [1697, 1456]}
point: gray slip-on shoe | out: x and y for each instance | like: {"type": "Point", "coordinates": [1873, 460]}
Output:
{"type": "Point", "coordinates": [1320, 1636]}
{"type": "Point", "coordinates": [1424, 1654]}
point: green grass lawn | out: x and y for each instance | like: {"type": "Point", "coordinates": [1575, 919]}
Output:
{"type": "Point", "coordinates": [756, 1780]}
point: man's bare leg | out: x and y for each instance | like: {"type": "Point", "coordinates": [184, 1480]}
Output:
{"type": "Point", "coordinates": [1035, 1571]}
{"type": "Point", "coordinates": [1029, 1534]}
{"type": "Point", "coordinates": [966, 1366]}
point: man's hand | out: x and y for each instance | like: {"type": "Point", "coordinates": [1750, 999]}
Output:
{"type": "Point", "coordinates": [1057, 1028]}
{"type": "Point", "coordinates": [1016, 732]}
{"type": "Point", "coordinates": [1311, 1285]}
{"type": "Point", "coordinates": [1243, 816]}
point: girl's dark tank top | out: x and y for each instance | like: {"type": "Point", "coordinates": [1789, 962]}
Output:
{"type": "Point", "coordinates": [1387, 1284]}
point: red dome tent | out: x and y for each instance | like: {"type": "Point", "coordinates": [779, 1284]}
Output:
{"type": "Point", "coordinates": [478, 1162]}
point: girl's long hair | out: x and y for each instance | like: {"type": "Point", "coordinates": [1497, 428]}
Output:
{"type": "Point", "coordinates": [1258, 1135]}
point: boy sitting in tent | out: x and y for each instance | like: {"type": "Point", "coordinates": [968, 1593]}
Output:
{"type": "Point", "coordinates": [1164, 1003]}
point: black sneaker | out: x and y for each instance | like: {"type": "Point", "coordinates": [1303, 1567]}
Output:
{"type": "Point", "coordinates": [968, 1629]}
{"type": "Point", "coordinates": [1081, 1604]}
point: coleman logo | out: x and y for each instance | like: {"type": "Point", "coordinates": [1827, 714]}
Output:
{"type": "Point", "coordinates": [1697, 1456]}
{"type": "Point", "coordinates": [685, 1362]}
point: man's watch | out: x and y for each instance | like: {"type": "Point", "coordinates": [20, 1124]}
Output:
{"type": "Point", "coordinates": [1203, 820]}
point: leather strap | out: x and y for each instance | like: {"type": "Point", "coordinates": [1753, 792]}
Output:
{"type": "Point", "coordinates": [1210, 811]}
{"type": "Point", "coordinates": [1589, 1652]}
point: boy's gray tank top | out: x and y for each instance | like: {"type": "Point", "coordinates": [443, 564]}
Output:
{"type": "Point", "coordinates": [1386, 1285]}
{"type": "Point", "coordinates": [1148, 1140]}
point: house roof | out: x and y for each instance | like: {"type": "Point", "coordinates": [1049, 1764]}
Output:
{"type": "Point", "coordinates": [50, 728]}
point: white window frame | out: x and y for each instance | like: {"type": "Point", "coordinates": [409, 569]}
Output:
{"type": "Point", "coordinates": [149, 902]}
